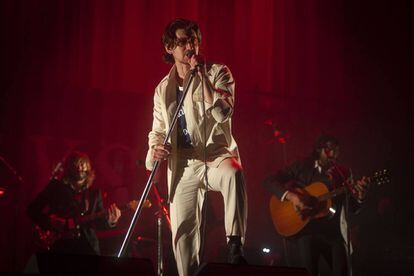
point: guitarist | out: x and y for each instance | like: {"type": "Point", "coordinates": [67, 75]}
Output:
{"type": "Point", "coordinates": [67, 198]}
{"type": "Point", "coordinates": [325, 236]}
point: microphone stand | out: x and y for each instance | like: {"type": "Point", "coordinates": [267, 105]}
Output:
{"type": "Point", "coordinates": [153, 172]}
{"type": "Point", "coordinates": [162, 211]}
{"type": "Point", "coordinates": [12, 170]}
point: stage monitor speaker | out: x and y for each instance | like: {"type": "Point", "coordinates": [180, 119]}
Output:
{"type": "Point", "coordinates": [244, 270]}
{"type": "Point", "coordinates": [68, 264]}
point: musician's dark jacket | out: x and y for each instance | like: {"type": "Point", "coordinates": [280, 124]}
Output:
{"type": "Point", "coordinates": [303, 173]}
{"type": "Point", "coordinates": [60, 199]}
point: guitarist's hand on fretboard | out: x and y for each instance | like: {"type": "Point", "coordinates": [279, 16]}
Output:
{"type": "Point", "coordinates": [361, 188]}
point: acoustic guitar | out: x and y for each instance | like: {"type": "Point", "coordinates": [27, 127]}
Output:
{"type": "Point", "coordinates": [289, 221]}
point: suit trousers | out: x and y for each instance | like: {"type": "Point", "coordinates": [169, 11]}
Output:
{"type": "Point", "coordinates": [332, 248]}
{"type": "Point", "coordinates": [186, 208]}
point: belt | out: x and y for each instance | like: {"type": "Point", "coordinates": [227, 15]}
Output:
{"type": "Point", "coordinates": [183, 153]}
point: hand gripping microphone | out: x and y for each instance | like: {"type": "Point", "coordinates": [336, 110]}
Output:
{"type": "Point", "coordinates": [191, 53]}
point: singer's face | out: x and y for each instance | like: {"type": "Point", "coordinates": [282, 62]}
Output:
{"type": "Point", "coordinates": [185, 42]}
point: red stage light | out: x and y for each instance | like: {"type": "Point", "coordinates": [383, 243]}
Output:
{"type": "Point", "coordinates": [268, 122]}
{"type": "Point", "coordinates": [276, 133]}
{"type": "Point", "coordinates": [282, 140]}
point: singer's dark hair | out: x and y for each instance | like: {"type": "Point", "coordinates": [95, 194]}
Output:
{"type": "Point", "coordinates": [321, 142]}
{"type": "Point", "coordinates": [169, 39]}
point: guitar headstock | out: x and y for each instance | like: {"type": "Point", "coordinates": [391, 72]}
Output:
{"type": "Point", "coordinates": [381, 177]}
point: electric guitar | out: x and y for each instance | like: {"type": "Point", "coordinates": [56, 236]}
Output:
{"type": "Point", "coordinates": [289, 221]}
{"type": "Point", "coordinates": [45, 238]}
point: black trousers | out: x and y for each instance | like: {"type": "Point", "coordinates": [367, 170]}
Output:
{"type": "Point", "coordinates": [305, 251]}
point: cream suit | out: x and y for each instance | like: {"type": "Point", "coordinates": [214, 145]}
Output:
{"type": "Point", "coordinates": [186, 183]}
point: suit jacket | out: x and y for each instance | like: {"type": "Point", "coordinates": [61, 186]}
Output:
{"type": "Point", "coordinates": [220, 142]}
{"type": "Point", "coordinates": [59, 198]}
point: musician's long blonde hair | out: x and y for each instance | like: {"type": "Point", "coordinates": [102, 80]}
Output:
{"type": "Point", "coordinates": [71, 163]}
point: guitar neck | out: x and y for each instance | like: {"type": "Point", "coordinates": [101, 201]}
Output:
{"type": "Point", "coordinates": [378, 178]}
{"type": "Point", "coordinates": [99, 215]}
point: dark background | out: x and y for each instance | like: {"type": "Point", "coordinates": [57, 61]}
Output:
{"type": "Point", "coordinates": [81, 75]}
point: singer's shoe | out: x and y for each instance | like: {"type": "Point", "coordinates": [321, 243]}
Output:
{"type": "Point", "coordinates": [236, 254]}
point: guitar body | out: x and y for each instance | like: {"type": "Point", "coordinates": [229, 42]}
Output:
{"type": "Point", "coordinates": [45, 239]}
{"type": "Point", "coordinates": [288, 221]}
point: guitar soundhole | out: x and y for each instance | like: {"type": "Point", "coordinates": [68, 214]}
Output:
{"type": "Point", "coordinates": [312, 207]}
{"type": "Point", "coordinates": [318, 209]}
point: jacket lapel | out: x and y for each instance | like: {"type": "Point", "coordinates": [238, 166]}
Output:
{"type": "Point", "coordinates": [171, 95]}
{"type": "Point", "coordinates": [196, 90]}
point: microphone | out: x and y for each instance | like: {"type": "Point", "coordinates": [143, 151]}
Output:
{"type": "Point", "coordinates": [191, 53]}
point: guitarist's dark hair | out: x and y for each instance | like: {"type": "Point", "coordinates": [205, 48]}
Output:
{"type": "Point", "coordinates": [321, 143]}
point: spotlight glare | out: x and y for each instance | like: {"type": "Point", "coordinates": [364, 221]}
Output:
{"type": "Point", "coordinates": [266, 250]}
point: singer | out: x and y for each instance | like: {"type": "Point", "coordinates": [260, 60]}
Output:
{"type": "Point", "coordinates": [327, 236]}
{"type": "Point", "coordinates": [202, 153]}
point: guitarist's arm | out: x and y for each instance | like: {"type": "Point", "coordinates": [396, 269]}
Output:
{"type": "Point", "coordinates": [111, 217]}
{"type": "Point", "coordinates": [284, 185]}
{"type": "Point", "coordinates": [283, 182]}
{"type": "Point", "coordinates": [41, 211]}
{"type": "Point", "coordinates": [36, 210]}
{"type": "Point", "coordinates": [361, 188]}
{"type": "Point", "coordinates": [359, 192]}
{"type": "Point", "coordinates": [273, 185]}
